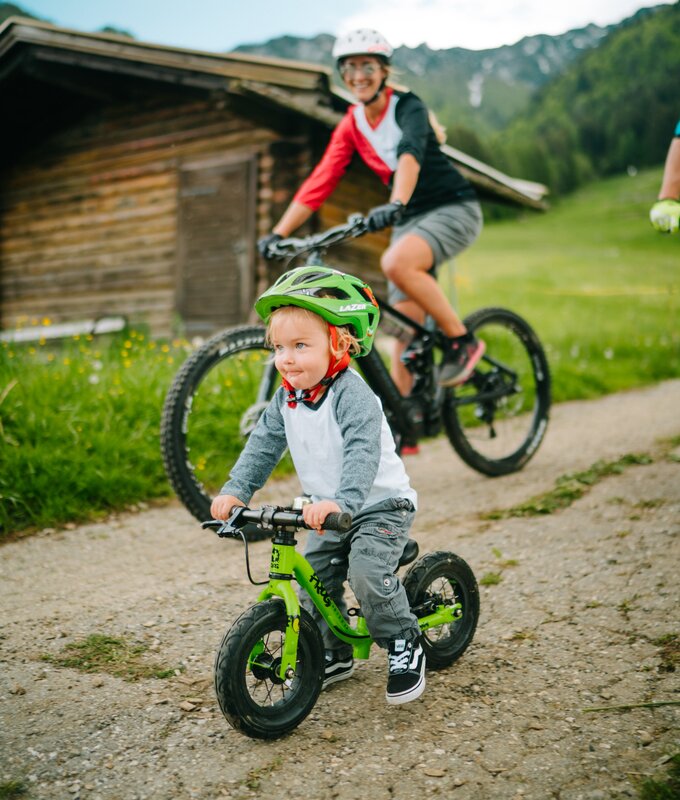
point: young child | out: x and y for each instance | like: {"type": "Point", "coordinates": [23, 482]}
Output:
{"type": "Point", "coordinates": [345, 458]}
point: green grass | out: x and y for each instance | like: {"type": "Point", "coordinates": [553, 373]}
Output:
{"type": "Point", "coordinates": [79, 422]}
{"type": "Point", "coordinates": [669, 651]}
{"type": "Point", "coordinates": [667, 788]}
{"type": "Point", "coordinates": [12, 790]}
{"type": "Point", "coordinates": [115, 656]}
{"type": "Point", "coordinates": [79, 427]}
{"type": "Point", "coordinates": [568, 488]}
{"type": "Point", "coordinates": [598, 284]}
{"type": "Point", "coordinates": [490, 579]}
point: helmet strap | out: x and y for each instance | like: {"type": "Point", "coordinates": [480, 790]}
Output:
{"type": "Point", "coordinates": [377, 94]}
{"type": "Point", "coordinates": [335, 367]}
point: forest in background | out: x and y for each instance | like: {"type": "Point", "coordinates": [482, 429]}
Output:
{"type": "Point", "coordinates": [613, 110]}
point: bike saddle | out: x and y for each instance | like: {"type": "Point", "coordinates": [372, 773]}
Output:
{"type": "Point", "coordinates": [409, 554]}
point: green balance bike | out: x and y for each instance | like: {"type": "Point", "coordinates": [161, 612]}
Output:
{"type": "Point", "coordinates": [269, 668]}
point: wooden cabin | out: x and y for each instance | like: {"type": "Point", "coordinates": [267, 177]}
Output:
{"type": "Point", "coordinates": [135, 179]}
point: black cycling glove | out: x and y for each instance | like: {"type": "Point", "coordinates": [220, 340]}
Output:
{"type": "Point", "coordinates": [264, 243]}
{"type": "Point", "coordinates": [383, 216]}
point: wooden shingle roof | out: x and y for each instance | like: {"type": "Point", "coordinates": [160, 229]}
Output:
{"type": "Point", "coordinates": [84, 61]}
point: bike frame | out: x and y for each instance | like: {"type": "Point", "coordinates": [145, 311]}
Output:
{"type": "Point", "coordinates": [378, 377]}
{"type": "Point", "coordinates": [286, 564]}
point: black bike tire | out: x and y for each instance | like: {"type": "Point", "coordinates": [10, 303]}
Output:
{"type": "Point", "coordinates": [442, 564]}
{"type": "Point", "coordinates": [231, 663]}
{"type": "Point", "coordinates": [535, 433]}
{"type": "Point", "coordinates": [183, 480]}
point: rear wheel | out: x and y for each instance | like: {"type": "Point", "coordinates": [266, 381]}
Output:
{"type": "Point", "coordinates": [437, 579]}
{"type": "Point", "coordinates": [497, 419]}
{"type": "Point", "coordinates": [252, 696]}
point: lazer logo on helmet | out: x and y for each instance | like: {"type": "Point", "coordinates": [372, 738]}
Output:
{"type": "Point", "coordinates": [353, 307]}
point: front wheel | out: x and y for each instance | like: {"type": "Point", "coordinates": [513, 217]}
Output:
{"type": "Point", "coordinates": [212, 405]}
{"type": "Point", "coordinates": [497, 419]}
{"type": "Point", "coordinates": [249, 690]}
{"type": "Point", "coordinates": [438, 579]}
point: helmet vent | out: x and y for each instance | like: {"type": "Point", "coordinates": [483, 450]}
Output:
{"type": "Point", "coordinates": [338, 294]}
{"type": "Point", "coordinates": [309, 276]}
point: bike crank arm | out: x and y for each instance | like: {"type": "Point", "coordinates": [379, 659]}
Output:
{"type": "Point", "coordinates": [485, 396]}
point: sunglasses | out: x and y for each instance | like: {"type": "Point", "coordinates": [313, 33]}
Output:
{"type": "Point", "coordinates": [350, 70]}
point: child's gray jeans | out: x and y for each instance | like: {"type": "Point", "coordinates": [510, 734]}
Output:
{"type": "Point", "coordinates": [369, 555]}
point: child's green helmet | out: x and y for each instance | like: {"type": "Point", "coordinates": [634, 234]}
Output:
{"type": "Point", "coordinates": [339, 298]}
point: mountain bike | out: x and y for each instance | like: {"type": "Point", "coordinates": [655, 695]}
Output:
{"type": "Point", "coordinates": [269, 668]}
{"type": "Point", "coordinates": [495, 421]}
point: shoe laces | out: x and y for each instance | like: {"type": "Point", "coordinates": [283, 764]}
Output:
{"type": "Point", "coordinates": [399, 662]}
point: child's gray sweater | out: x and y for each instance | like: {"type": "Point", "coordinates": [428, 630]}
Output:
{"type": "Point", "coordinates": [342, 448]}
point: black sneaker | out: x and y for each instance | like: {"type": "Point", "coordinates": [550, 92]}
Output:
{"type": "Point", "coordinates": [337, 668]}
{"type": "Point", "coordinates": [406, 671]}
{"type": "Point", "coordinates": [460, 359]}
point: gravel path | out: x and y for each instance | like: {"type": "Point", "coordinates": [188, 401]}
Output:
{"type": "Point", "coordinates": [583, 616]}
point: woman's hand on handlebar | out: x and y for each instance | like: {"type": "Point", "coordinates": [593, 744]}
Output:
{"type": "Point", "coordinates": [265, 243]}
{"type": "Point", "coordinates": [222, 505]}
{"type": "Point", "coordinates": [383, 216]}
{"type": "Point", "coordinates": [315, 513]}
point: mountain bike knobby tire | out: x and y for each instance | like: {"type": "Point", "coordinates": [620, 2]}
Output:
{"type": "Point", "coordinates": [496, 420]}
{"type": "Point", "coordinates": [209, 409]}
{"type": "Point", "coordinates": [250, 692]}
{"type": "Point", "coordinates": [444, 578]}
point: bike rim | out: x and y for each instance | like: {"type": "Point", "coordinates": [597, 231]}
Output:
{"type": "Point", "coordinates": [500, 409]}
{"type": "Point", "coordinates": [219, 413]}
{"type": "Point", "coordinates": [262, 685]}
{"type": "Point", "coordinates": [448, 593]}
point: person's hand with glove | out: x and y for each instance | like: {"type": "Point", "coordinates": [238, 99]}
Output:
{"type": "Point", "coordinates": [665, 215]}
{"type": "Point", "coordinates": [383, 216]}
{"type": "Point", "coordinates": [265, 242]}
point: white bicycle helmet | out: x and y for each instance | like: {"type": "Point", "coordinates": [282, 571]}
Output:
{"type": "Point", "coordinates": [362, 42]}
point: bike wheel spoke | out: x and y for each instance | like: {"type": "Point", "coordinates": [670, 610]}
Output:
{"type": "Point", "coordinates": [443, 578]}
{"type": "Point", "coordinates": [497, 419]}
{"type": "Point", "coordinates": [249, 690]}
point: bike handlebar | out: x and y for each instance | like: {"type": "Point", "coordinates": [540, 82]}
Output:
{"type": "Point", "coordinates": [356, 225]}
{"type": "Point", "coordinates": [272, 517]}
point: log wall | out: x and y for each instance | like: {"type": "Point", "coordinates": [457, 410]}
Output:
{"type": "Point", "coordinates": [89, 221]}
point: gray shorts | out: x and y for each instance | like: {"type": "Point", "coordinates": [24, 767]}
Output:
{"type": "Point", "coordinates": [448, 230]}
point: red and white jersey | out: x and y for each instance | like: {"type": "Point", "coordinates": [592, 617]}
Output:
{"type": "Point", "coordinates": [404, 127]}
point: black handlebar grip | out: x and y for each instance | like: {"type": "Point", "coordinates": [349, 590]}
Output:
{"type": "Point", "coordinates": [340, 522]}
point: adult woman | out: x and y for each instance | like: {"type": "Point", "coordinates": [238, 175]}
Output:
{"type": "Point", "coordinates": [433, 209]}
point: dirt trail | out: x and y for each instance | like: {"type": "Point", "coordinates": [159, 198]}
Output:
{"type": "Point", "coordinates": [578, 620]}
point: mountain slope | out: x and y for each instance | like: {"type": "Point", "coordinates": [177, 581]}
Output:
{"type": "Point", "coordinates": [612, 110]}
{"type": "Point", "coordinates": [480, 89]}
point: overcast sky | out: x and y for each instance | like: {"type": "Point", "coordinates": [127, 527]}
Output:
{"type": "Point", "coordinates": [223, 24]}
